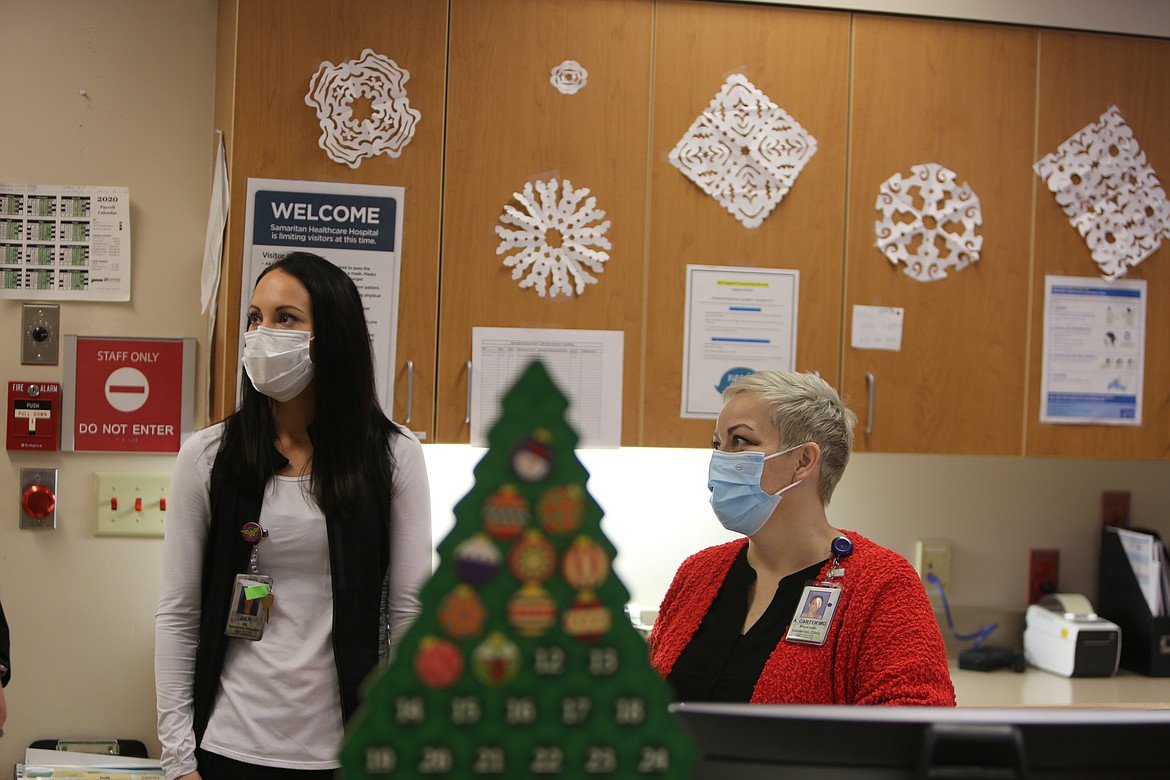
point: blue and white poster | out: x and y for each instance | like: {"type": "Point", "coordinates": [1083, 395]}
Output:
{"type": "Point", "coordinates": [738, 321]}
{"type": "Point", "coordinates": [357, 227]}
{"type": "Point", "coordinates": [1094, 349]}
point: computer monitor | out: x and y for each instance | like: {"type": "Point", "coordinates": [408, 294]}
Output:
{"type": "Point", "coordinates": [756, 741]}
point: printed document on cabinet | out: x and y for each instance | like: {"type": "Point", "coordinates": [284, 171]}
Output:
{"type": "Point", "coordinates": [585, 364]}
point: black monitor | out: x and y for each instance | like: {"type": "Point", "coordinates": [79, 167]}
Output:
{"type": "Point", "coordinates": [756, 741]}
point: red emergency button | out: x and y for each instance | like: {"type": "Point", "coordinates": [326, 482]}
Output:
{"type": "Point", "coordinates": [38, 501]}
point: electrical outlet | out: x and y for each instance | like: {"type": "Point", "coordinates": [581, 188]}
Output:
{"type": "Point", "coordinates": [1115, 508]}
{"type": "Point", "coordinates": [1043, 573]}
{"type": "Point", "coordinates": [131, 504]}
{"type": "Point", "coordinates": [933, 556]}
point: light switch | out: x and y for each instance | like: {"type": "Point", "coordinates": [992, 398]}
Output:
{"type": "Point", "coordinates": [40, 334]}
{"type": "Point", "coordinates": [131, 504]}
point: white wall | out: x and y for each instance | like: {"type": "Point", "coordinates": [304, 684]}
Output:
{"type": "Point", "coordinates": [82, 608]}
{"type": "Point", "coordinates": [992, 509]}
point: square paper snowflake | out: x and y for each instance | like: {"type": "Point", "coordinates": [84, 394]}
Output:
{"type": "Point", "coordinates": [1109, 193]}
{"type": "Point", "coordinates": [744, 151]}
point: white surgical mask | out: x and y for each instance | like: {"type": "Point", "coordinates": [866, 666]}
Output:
{"type": "Point", "coordinates": [278, 362]}
{"type": "Point", "coordinates": [736, 496]}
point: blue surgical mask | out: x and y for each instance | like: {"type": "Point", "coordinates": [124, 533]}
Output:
{"type": "Point", "coordinates": [736, 496]}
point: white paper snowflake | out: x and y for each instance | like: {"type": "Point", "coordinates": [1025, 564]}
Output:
{"type": "Point", "coordinates": [744, 151]}
{"type": "Point", "coordinates": [928, 222]}
{"type": "Point", "coordinates": [569, 77]}
{"type": "Point", "coordinates": [1109, 193]}
{"type": "Point", "coordinates": [347, 136]}
{"type": "Point", "coordinates": [554, 236]}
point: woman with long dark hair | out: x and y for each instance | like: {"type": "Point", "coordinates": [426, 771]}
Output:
{"type": "Point", "coordinates": [298, 535]}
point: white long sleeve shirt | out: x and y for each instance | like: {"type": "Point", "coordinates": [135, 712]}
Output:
{"type": "Point", "coordinates": [278, 702]}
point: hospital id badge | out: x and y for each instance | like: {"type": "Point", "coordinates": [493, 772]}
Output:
{"type": "Point", "coordinates": [250, 606]}
{"type": "Point", "coordinates": [814, 614]}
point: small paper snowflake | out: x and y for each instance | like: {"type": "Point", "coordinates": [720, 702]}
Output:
{"type": "Point", "coordinates": [744, 151]}
{"type": "Point", "coordinates": [1109, 193]}
{"type": "Point", "coordinates": [569, 77]}
{"type": "Point", "coordinates": [389, 127]}
{"type": "Point", "coordinates": [554, 237]}
{"type": "Point", "coordinates": [928, 222]}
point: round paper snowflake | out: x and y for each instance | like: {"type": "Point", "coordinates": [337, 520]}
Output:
{"type": "Point", "coordinates": [569, 77]}
{"type": "Point", "coordinates": [554, 236]}
{"type": "Point", "coordinates": [928, 222]}
{"type": "Point", "coordinates": [385, 127]}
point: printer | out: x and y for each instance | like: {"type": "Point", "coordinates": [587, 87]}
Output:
{"type": "Point", "coordinates": [1063, 635]}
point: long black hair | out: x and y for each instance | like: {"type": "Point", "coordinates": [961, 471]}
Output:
{"type": "Point", "coordinates": [350, 433]}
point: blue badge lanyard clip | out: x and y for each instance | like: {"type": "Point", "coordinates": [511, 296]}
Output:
{"type": "Point", "coordinates": [842, 547]}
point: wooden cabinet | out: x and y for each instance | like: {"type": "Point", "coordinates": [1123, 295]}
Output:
{"type": "Point", "coordinates": [962, 96]}
{"type": "Point", "coordinates": [268, 52]}
{"type": "Point", "coordinates": [799, 59]}
{"type": "Point", "coordinates": [506, 126]}
{"type": "Point", "coordinates": [880, 94]}
{"type": "Point", "coordinates": [1081, 75]}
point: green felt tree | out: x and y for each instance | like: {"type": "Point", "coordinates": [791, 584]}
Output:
{"type": "Point", "coordinates": [522, 662]}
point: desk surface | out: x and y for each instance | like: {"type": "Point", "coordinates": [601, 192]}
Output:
{"type": "Point", "coordinates": [1037, 688]}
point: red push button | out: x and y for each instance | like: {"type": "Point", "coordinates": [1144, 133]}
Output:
{"type": "Point", "coordinates": [38, 501]}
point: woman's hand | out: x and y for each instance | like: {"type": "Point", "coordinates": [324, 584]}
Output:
{"type": "Point", "coordinates": [189, 776]}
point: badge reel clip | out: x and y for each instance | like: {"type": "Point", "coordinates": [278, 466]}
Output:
{"type": "Point", "coordinates": [252, 597]}
{"type": "Point", "coordinates": [818, 603]}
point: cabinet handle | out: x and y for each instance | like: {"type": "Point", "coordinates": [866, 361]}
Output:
{"type": "Point", "coordinates": [869, 383]}
{"type": "Point", "coordinates": [467, 416]}
{"type": "Point", "coordinates": [409, 391]}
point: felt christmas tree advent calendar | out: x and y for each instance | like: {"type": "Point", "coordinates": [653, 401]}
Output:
{"type": "Point", "coordinates": [522, 662]}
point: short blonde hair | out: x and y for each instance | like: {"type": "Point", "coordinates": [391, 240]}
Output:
{"type": "Point", "coordinates": [805, 408]}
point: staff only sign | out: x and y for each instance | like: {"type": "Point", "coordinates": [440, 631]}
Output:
{"type": "Point", "coordinates": [127, 395]}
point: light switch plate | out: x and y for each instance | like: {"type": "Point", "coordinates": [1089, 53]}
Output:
{"type": "Point", "coordinates": [118, 510]}
{"type": "Point", "coordinates": [40, 329]}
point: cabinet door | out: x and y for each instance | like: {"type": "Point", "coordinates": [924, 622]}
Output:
{"type": "Point", "coordinates": [1080, 76]}
{"type": "Point", "coordinates": [799, 59]}
{"type": "Point", "coordinates": [271, 133]}
{"type": "Point", "coordinates": [507, 125]}
{"type": "Point", "coordinates": [962, 96]}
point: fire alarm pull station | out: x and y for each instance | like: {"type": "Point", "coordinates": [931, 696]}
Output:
{"type": "Point", "coordinates": [34, 416]}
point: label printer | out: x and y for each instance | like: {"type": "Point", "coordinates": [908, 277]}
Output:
{"type": "Point", "coordinates": [1063, 635]}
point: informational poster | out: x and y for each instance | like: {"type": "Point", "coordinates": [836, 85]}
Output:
{"type": "Point", "coordinates": [585, 364]}
{"type": "Point", "coordinates": [64, 242]}
{"type": "Point", "coordinates": [738, 321]}
{"type": "Point", "coordinates": [127, 394]}
{"type": "Point", "coordinates": [357, 227]}
{"type": "Point", "coordinates": [1094, 349]}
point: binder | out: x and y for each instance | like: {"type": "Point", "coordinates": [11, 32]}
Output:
{"type": "Point", "coordinates": [1145, 637]}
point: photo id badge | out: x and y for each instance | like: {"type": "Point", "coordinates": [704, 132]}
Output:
{"type": "Point", "coordinates": [251, 603]}
{"type": "Point", "coordinates": [814, 614]}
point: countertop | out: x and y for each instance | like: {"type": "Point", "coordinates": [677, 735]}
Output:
{"type": "Point", "coordinates": [1037, 688]}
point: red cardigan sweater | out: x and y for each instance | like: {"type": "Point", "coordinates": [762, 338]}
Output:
{"type": "Point", "coordinates": [883, 647]}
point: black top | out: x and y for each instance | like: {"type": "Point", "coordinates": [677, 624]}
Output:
{"type": "Point", "coordinates": [720, 663]}
{"type": "Point", "coordinates": [4, 660]}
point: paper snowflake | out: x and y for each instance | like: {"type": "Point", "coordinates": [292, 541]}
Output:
{"type": "Point", "coordinates": [744, 151]}
{"type": "Point", "coordinates": [928, 222]}
{"type": "Point", "coordinates": [1109, 193]}
{"type": "Point", "coordinates": [554, 237]}
{"type": "Point", "coordinates": [347, 136]}
{"type": "Point", "coordinates": [569, 77]}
